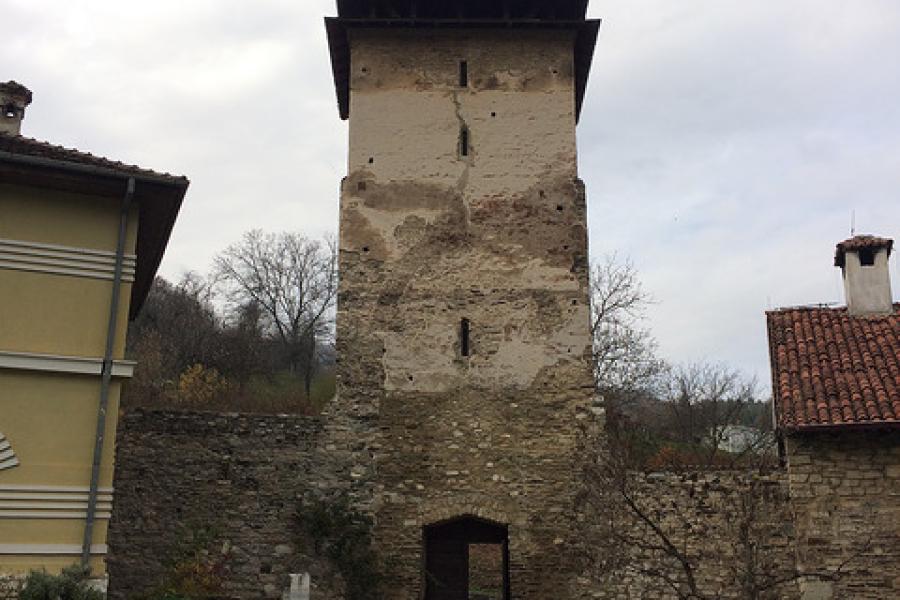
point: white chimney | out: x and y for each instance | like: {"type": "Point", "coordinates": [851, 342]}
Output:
{"type": "Point", "coordinates": [867, 279]}
{"type": "Point", "coordinates": [14, 98]}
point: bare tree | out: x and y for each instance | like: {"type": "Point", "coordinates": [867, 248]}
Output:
{"type": "Point", "coordinates": [292, 281]}
{"type": "Point", "coordinates": [676, 533]}
{"type": "Point", "coordinates": [706, 402]}
{"type": "Point", "coordinates": [625, 363]}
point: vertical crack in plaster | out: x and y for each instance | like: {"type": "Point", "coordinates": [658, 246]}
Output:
{"type": "Point", "coordinates": [463, 180]}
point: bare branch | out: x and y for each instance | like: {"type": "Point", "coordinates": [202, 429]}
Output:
{"type": "Point", "coordinates": [293, 282]}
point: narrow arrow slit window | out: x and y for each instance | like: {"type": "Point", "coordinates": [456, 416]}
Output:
{"type": "Point", "coordinates": [463, 141]}
{"type": "Point", "coordinates": [464, 342]}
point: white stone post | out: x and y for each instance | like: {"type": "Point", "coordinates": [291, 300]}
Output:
{"type": "Point", "coordinates": [299, 587]}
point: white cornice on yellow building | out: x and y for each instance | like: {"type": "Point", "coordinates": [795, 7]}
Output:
{"type": "Point", "coordinates": [63, 260]}
{"type": "Point", "coordinates": [51, 502]}
{"type": "Point", "coordinates": [49, 549]}
{"type": "Point", "coordinates": [50, 363]}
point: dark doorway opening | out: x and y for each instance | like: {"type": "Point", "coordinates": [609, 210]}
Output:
{"type": "Point", "coordinates": [467, 558]}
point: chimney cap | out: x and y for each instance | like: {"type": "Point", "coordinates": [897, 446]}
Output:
{"type": "Point", "coordinates": [861, 242]}
{"type": "Point", "coordinates": [16, 89]}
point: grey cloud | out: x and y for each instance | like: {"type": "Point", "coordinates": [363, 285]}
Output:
{"type": "Point", "coordinates": [724, 147]}
{"type": "Point", "coordinates": [724, 143]}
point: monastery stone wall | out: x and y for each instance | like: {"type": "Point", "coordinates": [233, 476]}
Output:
{"type": "Point", "coordinates": [238, 479]}
{"type": "Point", "coordinates": [845, 490]}
{"type": "Point", "coordinates": [223, 487]}
{"type": "Point", "coordinates": [734, 528]}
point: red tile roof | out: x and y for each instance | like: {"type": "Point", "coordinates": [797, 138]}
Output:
{"type": "Point", "coordinates": [833, 370]}
{"type": "Point", "coordinates": [860, 242]}
{"type": "Point", "coordinates": [17, 144]}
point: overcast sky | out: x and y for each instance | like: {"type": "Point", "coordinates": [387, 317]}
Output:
{"type": "Point", "coordinates": [724, 143]}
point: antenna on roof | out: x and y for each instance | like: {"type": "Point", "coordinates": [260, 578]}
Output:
{"type": "Point", "coordinates": [852, 223]}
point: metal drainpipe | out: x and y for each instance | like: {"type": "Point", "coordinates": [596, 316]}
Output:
{"type": "Point", "coordinates": [106, 376]}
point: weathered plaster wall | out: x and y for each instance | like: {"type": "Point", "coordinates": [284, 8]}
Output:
{"type": "Point", "coordinates": [234, 479]}
{"type": "Point", "coordinates": [845, 490]}
{"type": "Point", "coordinates": [430, 236]}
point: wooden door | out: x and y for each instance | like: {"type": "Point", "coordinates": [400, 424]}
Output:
{"type": "Point", "coordinates": [447, 569]}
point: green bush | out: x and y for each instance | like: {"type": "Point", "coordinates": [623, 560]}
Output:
{"type": "Point", "coordinates": [344, 536]}
{"type": "Point", "coordinates": [194, 570]}
{"type": "Point", "coordinates": [71, 584]}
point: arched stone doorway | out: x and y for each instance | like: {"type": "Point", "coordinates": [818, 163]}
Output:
{"type": "Point", "coordinates": [466, 558]}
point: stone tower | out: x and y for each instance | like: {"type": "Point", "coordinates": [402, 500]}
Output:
{"type": "Point", "coordinates": [463, 317]}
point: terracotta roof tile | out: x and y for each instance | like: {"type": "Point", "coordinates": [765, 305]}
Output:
{"type": "Point", "coordinates": [833, 370]}
{"type": "Point", "coordinates": [17, 144]}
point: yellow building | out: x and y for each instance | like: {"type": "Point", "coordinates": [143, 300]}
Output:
{"type": "Point", "coordinates": [81, 238]}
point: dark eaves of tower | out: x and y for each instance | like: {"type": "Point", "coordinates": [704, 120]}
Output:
{"type": "Point", "coordinates": [468, 14]}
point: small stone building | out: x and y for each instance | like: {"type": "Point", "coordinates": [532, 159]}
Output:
{"type": "Point", "coordinates": [81, 238]}
{"type": "Point", "coordinates": [836, 384]}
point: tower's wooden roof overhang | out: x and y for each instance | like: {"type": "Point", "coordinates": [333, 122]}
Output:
{"type": "Point", "coordinates": [460, 14]}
